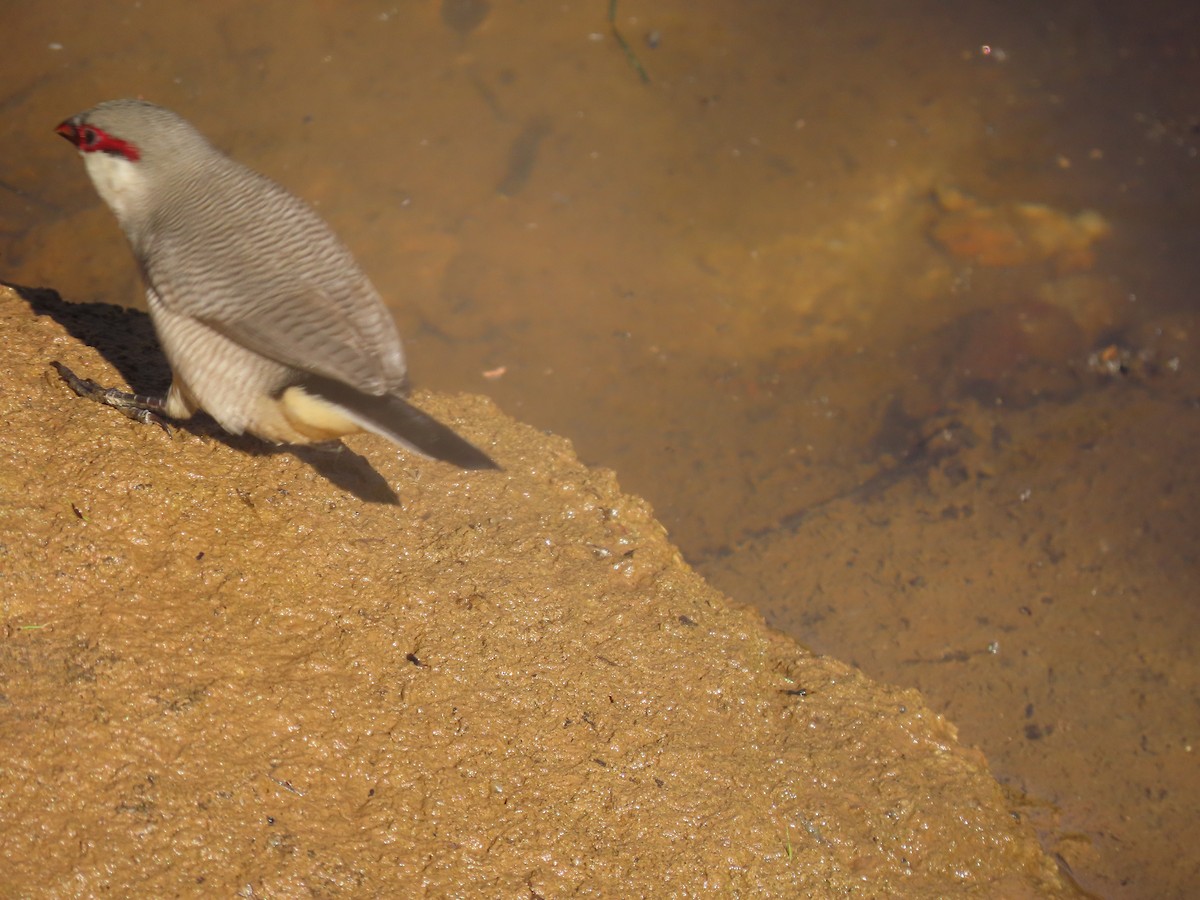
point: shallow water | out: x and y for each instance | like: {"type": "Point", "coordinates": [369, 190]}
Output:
{"type": "Point", "coordinates": [788, 290]}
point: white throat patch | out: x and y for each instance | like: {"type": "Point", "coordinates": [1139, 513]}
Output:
{"type": "Point", "coordinates": [117, 181]}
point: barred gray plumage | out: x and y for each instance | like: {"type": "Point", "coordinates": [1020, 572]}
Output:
{"type": "Point", "coordinates": [268, 323]}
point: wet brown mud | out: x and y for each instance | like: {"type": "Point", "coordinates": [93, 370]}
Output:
{"type": "Point", "coordinates": [223, 674]}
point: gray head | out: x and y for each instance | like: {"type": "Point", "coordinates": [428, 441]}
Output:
{"type": "Point", "coordinates": [133, 130]}
{"type": "Point", "coordinates": [132, 148]}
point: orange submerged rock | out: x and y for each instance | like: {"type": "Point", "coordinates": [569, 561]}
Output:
{"type": "Point", "coordinates": [1017, 234]}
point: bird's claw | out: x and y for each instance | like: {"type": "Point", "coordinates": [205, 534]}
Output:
{"type": "Point", "coordinates": [143, 415]}
{"type": "Point", "coordinates": [146, 410]}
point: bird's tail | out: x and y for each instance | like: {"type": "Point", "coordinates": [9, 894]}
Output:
{"type": "Point", "coordinates": [396, 419]}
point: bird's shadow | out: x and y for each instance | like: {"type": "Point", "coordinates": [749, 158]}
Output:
{"type": "Point", "coordinates": [126, 339]}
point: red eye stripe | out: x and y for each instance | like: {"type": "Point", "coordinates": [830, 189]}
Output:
{"type": "Point", "coordinates": [93, 139]}
{"type": "Point", "coordinates": [89, 139]}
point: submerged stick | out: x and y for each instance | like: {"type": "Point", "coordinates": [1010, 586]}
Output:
{"type": "Point", "coordinates": [624, 45]}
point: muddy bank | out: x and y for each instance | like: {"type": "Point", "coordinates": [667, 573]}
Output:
{"type": "Point", "coordinates": [228, 670]}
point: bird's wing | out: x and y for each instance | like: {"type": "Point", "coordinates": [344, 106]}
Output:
{"type": "Point", "coordinates": [308, 328]}
{"type": "Point", "coordinates": [270, 275]}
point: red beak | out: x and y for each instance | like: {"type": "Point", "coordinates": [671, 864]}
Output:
{"type": "Point", "coordinates": [69, 130]}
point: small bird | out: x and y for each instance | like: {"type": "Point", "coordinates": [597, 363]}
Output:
{"type": "Point", "coordinates": [268, 323]}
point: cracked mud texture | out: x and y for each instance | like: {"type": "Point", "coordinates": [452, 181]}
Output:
{"type": "Point", "coordinates": [228, 669]}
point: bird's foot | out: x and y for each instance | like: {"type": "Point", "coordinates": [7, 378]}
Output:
{"type": "Point", "coordinates": [140, 408]}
